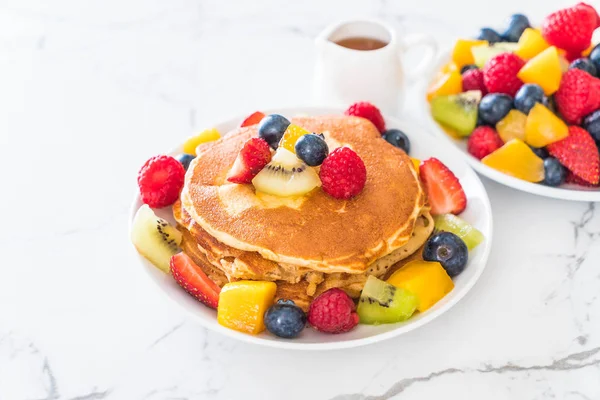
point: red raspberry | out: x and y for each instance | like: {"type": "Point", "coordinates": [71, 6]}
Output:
{"type": "Point", "coordinates": [500, 74]}
{"type": "Point", "coordinates": [473, 80]}
{"type": "Point", "coordinates": [483, 141]}
{"type": "Point", "coordinates": [368, 111]}
{"type": "Point", "coordinates": [578, 95]}
{"type": "Point", "coordinates": [333, 312]}
{"type": "Point", "coordinates": [571, 28]}
{"type": "Point", "coordinates": [343, 173]}
{"type": "Point", "coordinates": [160, 180]}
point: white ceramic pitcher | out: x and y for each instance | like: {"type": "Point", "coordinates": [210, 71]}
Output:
{"type": "Point", "coordinates": [344, 76]}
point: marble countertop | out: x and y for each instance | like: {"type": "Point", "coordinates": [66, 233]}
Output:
{"type": "Point", "coordinates": [89, 90]}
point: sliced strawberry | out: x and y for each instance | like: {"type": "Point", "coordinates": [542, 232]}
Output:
{"type": "Point", "coordinates": [251, 159]}
{"type": "Point", "coordinates": [253, 119]}
{"type": "Point", "coordinates": [191, 277]}
{"type": "Point", "coordinates": [442, 187]}
{"type": "Point", "coordinates": [579, 154]}
{"type": "Point", "coordinates": [574, 179]}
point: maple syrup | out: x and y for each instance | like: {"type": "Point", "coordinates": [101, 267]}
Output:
{"type": "Point", "coordinates": [361, 43]}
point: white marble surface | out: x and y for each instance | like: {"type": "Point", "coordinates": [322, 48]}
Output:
{"type": "Point", "coordinates": [90, 89]}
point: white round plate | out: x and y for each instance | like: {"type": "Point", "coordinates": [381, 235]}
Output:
{"type": "Point", "coordinates": [423, 146]}
{"type": "Point", "coordinates": [566, 192]}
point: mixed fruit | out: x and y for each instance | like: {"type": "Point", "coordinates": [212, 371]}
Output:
{"type": "Point", "coordinates": [528, 100]}
{"type": "Point", "coordinates": [283, 161]}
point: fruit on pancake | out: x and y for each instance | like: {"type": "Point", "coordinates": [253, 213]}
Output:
{"type": "Point", "coordinates": [160, 180]}
{"type": "Point", "coordinates": [489, 35]}
{"type": "Point", "coordinates": [398, 139]}
{"type": "Point", "coordinates": [445, 84]}
{"type": "Point", "coordinates": [461, 54]}
{"type": "Point", "coordinates": [571, 28]}
{"type": "Point", "coordinates": [383, 303]}
{"type": "Point", "coordinates": [291, 136]}
{"type": "Point", "coordinates": [544, 127]}
{"type": "Point", "coordinates": [333, 312]}
{"type": "Point", "coordinates": [242, 305]}
{"type": "Point", "coordinates": [458, 112]}
{"type": "Point", "coordinates": [461, 228]}
{"type": "Point", "coordinates": [544, 70]}
{"type": "Point", "coordinates": [578, 152]}
{"type": "Point", "coordinates": [473, 80]}
{"type": "Point", "coordinates": [154, 238]}
{"type": "Point", "coordinates": [500, 74]}
{"type": "Point", "coordinates": [286, 175]}
{"type": "Point", "coordinates": [285, 319]}
{"type": "Point", "coordinates": [253, 119]}
{"type": "Point", "coordinates": [554, 172]}
{"type": "Point", "coordinates": [578, 95]}
{"type": "Point", "coordinates": [517, 23]}
{"type": "Point", "coordinates": [252, 158]}
{"type": "Point", "coordinates": [483, 141]}
{"type": "Point", "coordinates": [444, 192]}
{"type": "Point", "coordinates": [531, 43]}
{"type": "Point", "coordinates": [312, 149]}
{"type": "Point", "coordinates": [368, 111]}
{"type": "Point", "coordinates": [185, 160]}
{"type": "Point", "coordinates": [449, 250]}
{"type": "Point", "coordinates": [428, 281]}
{"type": "Point", "coordinates": [585, 64]}
{"type": "Point", "coordinates": [528, 96]}
{"type": "Point", "coordinates": [343, 173]}
{"type": "Point", "coordinates": [517, 159]}
{"type": "Point", "coordinates": [493, 107]}
{"type": "Point", "coordinates": [512, 126]}
{"type": "Point", "coordinates": [208, 135]}
{"type": "Point", "coordinates": [591, 123]}
{"type": "Point", "coordinates": [191, 278]}
{"type": "Point", "coordinates": [483, 53]}
{"type": "Point", "coordinates": [416, 162]}
{"type": "Point", "coordinates": [271, 128]}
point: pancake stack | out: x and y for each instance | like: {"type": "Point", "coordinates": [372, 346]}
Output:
{"type": "Point", "coordinates": [309, 244]}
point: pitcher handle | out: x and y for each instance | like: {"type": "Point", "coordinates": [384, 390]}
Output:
{"type": "Point", "coordinates": [425, 65]}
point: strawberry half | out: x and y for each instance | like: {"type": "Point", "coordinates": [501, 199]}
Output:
{"type": "Point", "coordinates": [579, 154]}
{"type": "Point", "coordinates": [191, 277]}
{"type": "Point", "coordinates": [253, 119]}
{"type": "Point", "coordinates": [251, 159]}
{"type": "Point", "coordinates": [442, 187]}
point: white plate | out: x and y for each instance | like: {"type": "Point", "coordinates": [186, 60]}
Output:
{"type": "Point", "coordinates": [566, 192]}
{"type": "Point", "coordinates": [423, 146]}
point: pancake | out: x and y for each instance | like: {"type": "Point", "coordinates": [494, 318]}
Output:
{"type": "Point", "coordinates": [252, 235]}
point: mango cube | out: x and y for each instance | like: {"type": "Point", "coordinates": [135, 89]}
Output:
{"type": "Point", "coordinates": [512, 126]}
{"type": "Point", "coordinates": [517, 159]}
{"type": "Point", "coordinates": [445, 84]}
{"type": "Point", "coordinates": [544, 127]}
{"type": "Point", "coordinates": [242, 305]}
{"type": "Point", "coordinates": [462, 55]}
{"type": "Point", "coordinates": [208, 135]}
{"type": "Point", "coordinates": [544, 69]}
{"type": "Point", "coordinates": [291, 136]}
{"type": "Point", "coordinates": [531, 43]}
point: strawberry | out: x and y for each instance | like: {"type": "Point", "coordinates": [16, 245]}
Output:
{"type": "Point", "coordinates": [368, 111]}
{"type": "Point", "coordinates": [578, 95]}
{"type": "Point", "coordinates": [251, 159]}
{"type": "Point", "coordinates": [253, 119]}
{"type": "Point", "coordinates": [473, 80]}
{"type": "Point", "coordinates": [500, 74]}
{"type": "Point", "coordinates": [571, 28]}
{"type": "Point", "coordinates": [443, 188]}
{"type": "Point", "coordinates": [483, 141]}
{"type": "Point", "coordinates": [191, 277]}
{"type": "Point", "coordinates": [578, 153]}
{"type": "Point", "coordinates": [574, 179]}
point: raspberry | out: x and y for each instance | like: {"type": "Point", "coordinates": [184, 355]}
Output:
{"type": "Point", "coordinates": [368, 111]}
{"type": "Point", "coordinates": [333, 312]}
{"type": "Point", "coordinates": [500, 74]}
{"type": "Point", "coordinates": [578, 95]}
{"type": "Point", "coordinates": [473, 80]}
{"type": "Point", "coordinates": [160, 180]}
{"type": "Point", "coordinates": [343, 173]}
{"type": "Point", "coordinates": [571, 28]}
{"type": "Point", "coordinates": [483, 141]}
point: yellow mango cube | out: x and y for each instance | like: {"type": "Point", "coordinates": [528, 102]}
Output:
{"type": "Point", "coordinates": [531, 43]}
{"type": "Point", "coordinates": [512, 126]}
{"type": "Point", "coordinates": [242, 305]}
{"type": "Point", "coordinates": [517, 159]}
{"type": "Point", "coordinates": [544, 69]}
{"type": "Point", "coordinates": [445, 84]}
{"type": "Point", "coordinates": [291, 136]}
{"type": "Point", "coordinates": [461, 55]}
{"type": "Point", "coordinates": [427, 280]}
{"type": "Point", "coordinates": [588, 51]}
{"type": "Point", "coordinates": [416, 162]}
{"type": "Point", "coordinates": [544, 127]}
{"type": "Point", "coordinates": [208, 135]}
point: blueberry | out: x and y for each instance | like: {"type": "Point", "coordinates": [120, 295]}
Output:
{"type": "Point", "coordinates": [490, 35]}
{"type": "Point", "coordinates": [285, 319]}
{"type": "Point", "coordinates": [185, 159]}
{"type": "Point", "coordinates": [591, 123]}
{"type": "Point", "coordinates": [494, 106]}
{"type": "Point", "coordinates": [584, 64]}
{"type": "Point", "coordinates": [517, 23]}
{"type": "Point", "coordinates": [271, 128]}
{"type": "Point", "coordinates": [528, 95]}
{"type": "Point", "coordinates": [467, 68]}
{"type": "Point", "coordinates": [554, 172]}
{"type": "Point", "coordinates": [397, 138]}
{"type": "Point", "coordinates": [595, 57]}
{"type": "Point", "coordinates": [541, 152]}
{"type": "Point", "coordinates": [449, 250]}
{"type": "Point", "coordinates": [312, 149]}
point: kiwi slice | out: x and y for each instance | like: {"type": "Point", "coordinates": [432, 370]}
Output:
{"type": "Point", "coordinates": [484, 52]}
{"type": "Point", "coordinates": [457, 111]}
{"type": "Point", "coordinates": [155, 238]}
{"type": "Point", "coordinates": [382, 303]}
{"type": "Point", "coordinates": [461, 228]}
{"type": "Point", "coordinates": [286, 175]}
